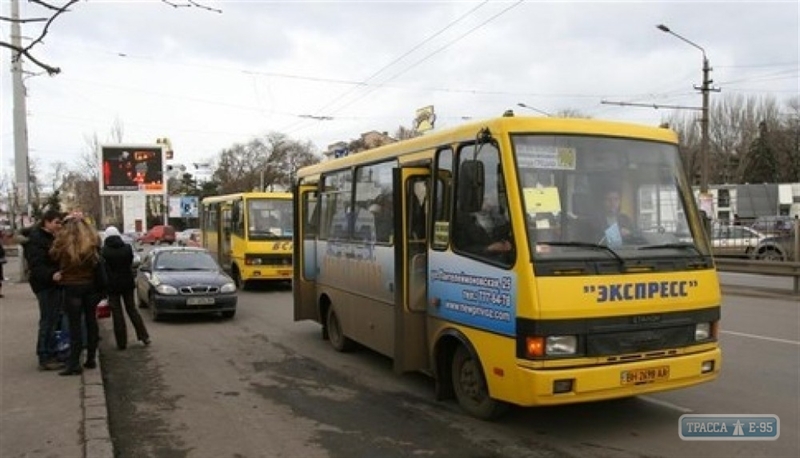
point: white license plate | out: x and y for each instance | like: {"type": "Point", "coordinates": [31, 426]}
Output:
{"type": "Point", "coordinates": [199, 301]}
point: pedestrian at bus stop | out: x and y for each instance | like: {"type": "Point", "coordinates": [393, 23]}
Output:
{"type": "Point", "coordinates": [76, 249]}
{"type": "Point", "coordinates": [119, 265]}
{"type": "Point", "coordinates": [36, 243]}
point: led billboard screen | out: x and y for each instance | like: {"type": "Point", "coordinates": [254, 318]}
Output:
{"type": "Point", "coordinates": [132, 169]}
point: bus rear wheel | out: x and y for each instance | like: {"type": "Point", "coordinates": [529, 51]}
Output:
{"type": "Point", "coordinates": [335, 333]}
{"type": "Point", "coordinates": [470, 387]}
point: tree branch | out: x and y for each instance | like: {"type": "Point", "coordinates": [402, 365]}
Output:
{"type": "Point", "coordinates": [18, 51]}
{"type": "Point", "coordinates": [190, 4]}
{"type": "Point", "coordinates": [59, 11]}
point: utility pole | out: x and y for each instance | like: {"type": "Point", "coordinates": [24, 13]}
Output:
{"type": "Point", "coordinates": [704, 142]}
{"type": "Point", "coordinates": [21, 168]}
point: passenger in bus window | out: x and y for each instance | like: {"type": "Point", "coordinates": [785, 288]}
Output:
{"type": "Point", "coordinates": [485, 233]}
{"type": "Point", "coordinates": [381, 209]}
{"type": "Point", "coordinates": [613, 225]}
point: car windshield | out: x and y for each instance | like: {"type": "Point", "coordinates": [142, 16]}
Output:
{"type": "Point", "coordinates": [185, 260]}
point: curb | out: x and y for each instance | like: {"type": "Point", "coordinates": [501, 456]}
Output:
{"type": "Point", "coordinates": [96, 433]}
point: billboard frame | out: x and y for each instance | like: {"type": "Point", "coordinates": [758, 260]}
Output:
{"type": "Point", "coordinates": [104, 151]}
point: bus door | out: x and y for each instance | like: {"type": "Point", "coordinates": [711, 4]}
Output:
{"type": "Point", "coordinates": [225, 227]}
{"type": "Point", "coordinates": [411, 187]}
{"type": "Point", "coordinates": [305, 253]}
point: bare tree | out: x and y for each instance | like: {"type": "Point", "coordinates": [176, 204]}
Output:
{"type": "Point", "coordinates": [275, 158]}
{"type": "Point", "coordinates": [50, 11]}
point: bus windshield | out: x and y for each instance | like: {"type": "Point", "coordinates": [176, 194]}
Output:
{"type": "Point", "coordinates": [269, 219]}
{"type": "Point", "coordinates": [588, 197]}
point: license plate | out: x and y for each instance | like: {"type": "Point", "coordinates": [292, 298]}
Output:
{"type": "Point", "coordinates": [648, 375]}
{"type": "Point", "coordinates": [199, 301]}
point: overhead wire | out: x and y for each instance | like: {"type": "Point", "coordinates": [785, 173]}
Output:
{"type": "Point", "coordinates": [428, 56]}
{"type": "Point", "coordinates": [414, 48]}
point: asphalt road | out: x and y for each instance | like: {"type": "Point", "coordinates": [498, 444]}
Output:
{"type": "Point", "coordinates": [261, 385]}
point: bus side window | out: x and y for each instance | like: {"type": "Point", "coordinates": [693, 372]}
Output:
{"type": "Point", "coordinates": [442, 183]}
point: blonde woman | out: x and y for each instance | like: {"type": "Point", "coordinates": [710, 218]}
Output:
{"type": "Point", "coordinates": [76, 250]}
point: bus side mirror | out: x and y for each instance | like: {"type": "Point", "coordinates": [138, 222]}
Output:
{"type": "Point", "coordinates": [471, 176]}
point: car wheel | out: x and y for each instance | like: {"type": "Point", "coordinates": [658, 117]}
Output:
{"type": "Point", "coordinates": [770, 255]}
{"type": "Point", "coordinates": [229, 314]}
{"type": "Point", "coordinates": [335, 333]}
{"type": "Point", "coordinates": [470, 387]}
{"type": "Point", "coordinates": [154, 310]}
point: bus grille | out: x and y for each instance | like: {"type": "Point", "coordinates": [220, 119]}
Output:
{"type": "Point", "coordinates": [277, 260]}
{"type": "Point", "coordinates": [645, 340]}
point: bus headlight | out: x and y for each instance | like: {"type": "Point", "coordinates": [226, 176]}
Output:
{"type": "Point", "coordinates": [561, 345]}
{"type": "Point", "coordinates": [702, 331]}
{"type": "Point", "coordinates": [227, 288]}
{"type": "Point", "coordinates": [166, 289]}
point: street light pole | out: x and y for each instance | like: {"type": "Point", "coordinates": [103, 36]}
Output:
{"type": "Point", "coordinates": [533, 109]}
{"type": "Point", "coordinates": [704, 89]}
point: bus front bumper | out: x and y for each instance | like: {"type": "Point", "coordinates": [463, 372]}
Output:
{"type": "Point", "coordinates": [610, 381]}
{"type": "Point", "coordinates": [266, 272]}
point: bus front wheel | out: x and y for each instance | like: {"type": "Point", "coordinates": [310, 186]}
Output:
{"type": "Point", "coordinates": [470, 387]}
{"type": "Point", "coordinates": [335, 333]}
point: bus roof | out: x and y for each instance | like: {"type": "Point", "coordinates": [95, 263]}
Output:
{"type": "Point", "coordinates": [498, 126]}
{"type": "Point", "coordinates": [249, 195]}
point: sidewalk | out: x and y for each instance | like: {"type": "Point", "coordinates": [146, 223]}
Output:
{"type": "Point", "coordinates": [41, 413]}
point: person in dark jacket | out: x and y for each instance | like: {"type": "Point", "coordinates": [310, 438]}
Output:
{"type": "Point", "coordinates": [119, 265]}
{"type": "Point", "coordinates": [42, 271]}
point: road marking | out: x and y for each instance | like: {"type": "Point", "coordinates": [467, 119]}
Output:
{"type": "Point", "coordinates": [666, 404]}
{"type": "Point", "coordinates": [753, 336]}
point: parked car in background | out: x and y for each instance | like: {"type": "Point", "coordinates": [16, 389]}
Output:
{"type": "Point", "coordinates": [188, 237]}
{"type": "Point", "coordinates": [158, 235]}
{"type": "Point", "coordinates": [734, 241]}
{"type": "Point", "coordinates": [184, 280]}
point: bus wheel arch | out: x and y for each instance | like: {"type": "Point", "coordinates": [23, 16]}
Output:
{"type": "Point", "coordinates": [458, 361]}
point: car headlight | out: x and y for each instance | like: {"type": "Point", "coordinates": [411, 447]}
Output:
{"type": "Point", "coordinates": [227, 288]}
{"type": "Point", "coordinates": [702, 331]}
{"type": "Point", "coordinates": [166, 289]}
{"type": "Point", "coordinates": [561, 345]}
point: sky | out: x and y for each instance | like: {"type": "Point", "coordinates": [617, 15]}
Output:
{"type": "Point", "coordinates": [327, 71]}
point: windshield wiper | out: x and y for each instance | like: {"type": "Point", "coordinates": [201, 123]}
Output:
{"type": "Point", "coordinates": [593, 246]}
{"type": "Point", "coordinates": [679, 245]}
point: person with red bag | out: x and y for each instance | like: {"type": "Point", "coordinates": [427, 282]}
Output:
{"type": "Point", "coordinates": [118, 257]}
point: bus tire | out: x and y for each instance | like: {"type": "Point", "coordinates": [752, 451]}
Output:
{"type": "Point", "coordinates": [237, 278]}
{"type": "Point", "coordinates": [471, 390]}
{"type": "Point", "coordinates": [336, 335]}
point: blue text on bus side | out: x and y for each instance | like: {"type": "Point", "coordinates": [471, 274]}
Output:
{"type": "Point", "coordinates": [641, 290]}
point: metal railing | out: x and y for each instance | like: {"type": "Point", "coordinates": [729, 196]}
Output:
{"type": "Point", "coordinates": [775, 268]}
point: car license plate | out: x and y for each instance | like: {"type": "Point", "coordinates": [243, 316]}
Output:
{"type": "Point", "coordinates": [200, 301]}
{"type": "Point", "coordinates": [648, 375]}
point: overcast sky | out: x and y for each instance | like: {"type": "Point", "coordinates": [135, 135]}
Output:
{"type": "Point", "coordinates": [207, 80]}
